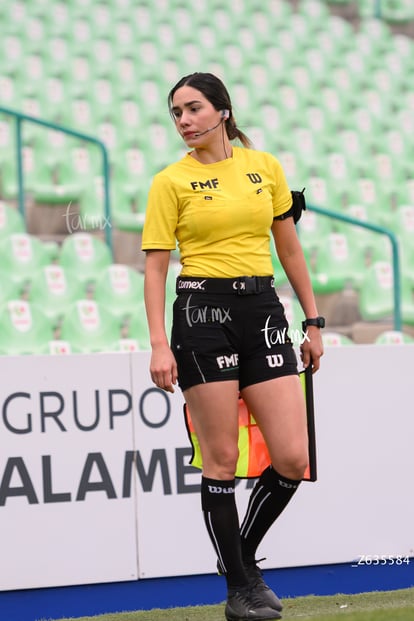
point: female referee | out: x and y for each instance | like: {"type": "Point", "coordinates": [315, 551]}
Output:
{"type": "Point", "coordinates": [221, 203]}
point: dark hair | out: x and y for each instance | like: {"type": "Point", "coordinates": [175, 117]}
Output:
{"type": "Point", "coordinates": [217, 94]}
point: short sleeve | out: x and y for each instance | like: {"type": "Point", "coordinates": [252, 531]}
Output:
{"type": "Point", "coordinates": [161, 215]}
{"type": "Point", "coordinates": [282, 198]}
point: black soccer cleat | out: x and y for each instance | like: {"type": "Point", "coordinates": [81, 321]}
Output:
{"type": "Point", "coordinates": [243, 605]}
{"type": "Point", "coordinates": [259, 587]}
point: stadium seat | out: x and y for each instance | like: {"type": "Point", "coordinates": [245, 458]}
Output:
{"type": "Point", "coordinates": [9, 289]}
{"type": "Point", "coordinates": [89, 327]}
{"type": "Point", "coordinates": [11, 220]}
{"type": "Point", "coordinates": [334, 339]}
{"type": "Point", "coordinates": [313, 230]}
{"type": "Point", "coordinates": [92, 207]}
{"type": "Point", "coordinates": [376, 299]}
{"type": "Point", "coordinates": [137, 328]}
{"type": "Point", "coordinates": [128, 211]}
{"type": "Point", "coordinates": [336, 265]}
{"type": "Point", "coordinates": [24, 329]}
{"type": "Point", "coordinates": [59, 347]}
{"type": "Point", "coordinates": [21, 257]}
{"type": "Point", "coordinates": [130, 168]}
{"type": "Point", "coordinates": [397, 11]}
{"type": "Point", "coordinates": [54, 291]}
{"type": "Point", "coordinates": [121, 289]}
{"type": "Point", "coordinates": [393, 337]}
{"type": "Point", "coordinates": [373, 246]}
{"type": "Point", "coordinates": [84, 256]}
{"type": "Point", "coordinates": [36, 173]}
{"type": "Point", "coordinates": [128, 345]}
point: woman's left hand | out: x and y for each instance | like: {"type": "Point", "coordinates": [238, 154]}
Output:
{"type": "Point", "coordinates": [312, 348]}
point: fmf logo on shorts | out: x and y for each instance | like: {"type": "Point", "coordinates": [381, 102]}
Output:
{"type": "Point", "coordinates": [228, 362]}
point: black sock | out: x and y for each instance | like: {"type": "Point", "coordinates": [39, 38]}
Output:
{"type": "Point", "coordinates": [222, 522]}
{"type": "Point", "coordinates": [269, 497]}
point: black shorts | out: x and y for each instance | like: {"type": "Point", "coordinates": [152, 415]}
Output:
{"type": "Point", "coordinates": [225, 336]}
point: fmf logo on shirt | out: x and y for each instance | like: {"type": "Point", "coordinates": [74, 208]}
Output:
{"type": "Point", "coordinates": [213, 184]}
{"type": "Point", "coordinates": [202, 185]}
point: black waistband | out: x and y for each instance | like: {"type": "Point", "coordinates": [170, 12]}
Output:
{"type": "Point", "coordinates": [242, 285]}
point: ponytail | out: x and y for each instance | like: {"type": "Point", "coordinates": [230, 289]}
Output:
{"type": "Point", "coordinates": [233, 133]}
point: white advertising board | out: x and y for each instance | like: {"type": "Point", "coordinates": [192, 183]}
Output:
{"type": "Point", "coordinates": [95, 484]}
{"type": "Point", "coordinates": [63, 439]}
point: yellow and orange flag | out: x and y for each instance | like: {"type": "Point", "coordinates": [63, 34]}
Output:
{"type": "Point", "coordinates": [253, 453]}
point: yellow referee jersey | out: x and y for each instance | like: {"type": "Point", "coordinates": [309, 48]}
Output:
{"type": "Point", "coordinates": [220, 214]}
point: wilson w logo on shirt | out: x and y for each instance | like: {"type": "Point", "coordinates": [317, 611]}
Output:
{"type": "Point", "coordinates": [254, 177]}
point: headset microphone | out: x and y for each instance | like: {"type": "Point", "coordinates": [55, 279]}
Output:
{"type": "Point", "coordinates": [224, 116]}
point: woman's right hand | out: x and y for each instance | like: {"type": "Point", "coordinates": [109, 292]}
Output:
{"type": "Point", "coordinates": [163, 368]}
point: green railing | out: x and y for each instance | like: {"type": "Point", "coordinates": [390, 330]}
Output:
{"type": "Point", "coordinates": [395, 253]}
{"type": "Point", "coordinates": [20, 118]}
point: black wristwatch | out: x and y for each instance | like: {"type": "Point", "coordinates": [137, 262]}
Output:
{"type": "Point", "coordinates": [319, 322]}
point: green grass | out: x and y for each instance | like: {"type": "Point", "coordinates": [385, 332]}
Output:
{"type": "Point", "coordinates": [373, 606]}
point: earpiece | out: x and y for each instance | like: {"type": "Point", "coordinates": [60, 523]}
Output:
{"type": "Point", "coordinates": [225, 114]}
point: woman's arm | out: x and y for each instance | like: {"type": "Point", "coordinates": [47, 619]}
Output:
{"type": "Point", "coordinates": [292, 259]}
{"type": "Point", "coordinates": [163, 367]}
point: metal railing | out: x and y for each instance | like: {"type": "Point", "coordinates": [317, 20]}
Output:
{"type": "Point", "coordinates": [397, 320]}
{"type": "Point", "coordinates": [21, 118]}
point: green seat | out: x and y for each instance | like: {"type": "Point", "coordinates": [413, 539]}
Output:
{"type": "Point", "coordinates": [9, 289]}
{"type": "Point", "coordinates": [11, 220]}
{"type": "Point", "coordinates": [80, 113]}
{"type": "Point", "coordinates": [127, 345]}
{"type": "Point", "coordinates": [21, 256]}
{"type": "Point", "coordinates": [313, 229]}
{"type": "Point", "coordinates": [89, 327]}
{"type": "Point", "coordinates": [336, 266]}
{"type": "Point", "coordinates": [131, 168]}
{"type": "Point", "coordinates": [121, 289]}
{"type": "Point", "coordinates": [137, 328]}
{"type": "Point", "coordinates": [339, 170]}
{"type": "Point", "coordinates": [59, 347]}
{"type": "Point", "coordinates": [293, 167]}
{"type": "Point", "coordinates": [393, 337]}
{"type": "Point", "coordinates": [52, 289]}
{"type": "Point", "coordinates": [352, 145]}
{"type": "Point", "coordinates": [397, 11]}
{"type": "Point", "coordinates": [373, 246]}
{"type": "Point", "coordinates": [36, 173]}
{"type": "Point", "coordinates": [24, 329]}
{"type": "Point", "coordinates": [376, 293]}
{"type": "Point", "coordinates": [92, 206]}
{"type": "Point", "coordinates": [333, 339]}
{"type": "Point", "coordinates": [84, 256]}
{"type": "Point", "coordinates": [128, 208]}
